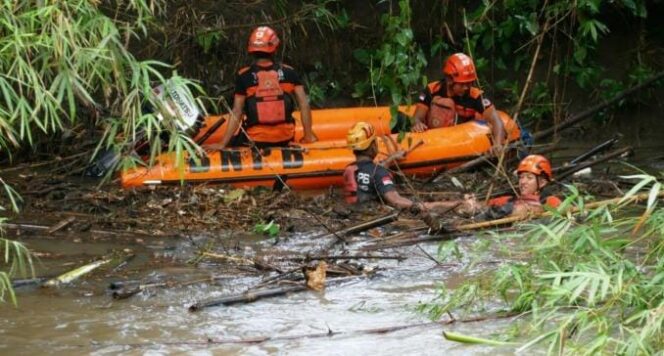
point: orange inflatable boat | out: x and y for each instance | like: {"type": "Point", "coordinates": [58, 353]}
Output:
{"type": "Point", "coordinates": [321, 164]}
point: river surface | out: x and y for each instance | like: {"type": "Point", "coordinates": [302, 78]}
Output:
{"type": "Point", "coordinates": [84, 319]}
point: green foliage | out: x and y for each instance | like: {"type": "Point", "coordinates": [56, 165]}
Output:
{"type": "Point", "coordinates": [504, 35]}
{"type": "Point", "coordinates": [271, 229]}
{"type": "Point", "coordinates": [589, 285]}
{"type": "Point", "coordinates": [15, 258]}
{"type": "Point", "coordinates": [321, 84]}
{"type": "Point", "coordinates": [395, 67]}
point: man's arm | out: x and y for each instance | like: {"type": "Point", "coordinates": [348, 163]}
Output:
{"type": "Point", "coordinates": [233, 123]}
{"type": "Point", "coordinates": [393, 198]}
{"type": "Point", "coordinates": [305, 115]}
{"type": "Point", "coordinates": [419, 119]}
{"type": "Point", "coordinates": [490, 115]}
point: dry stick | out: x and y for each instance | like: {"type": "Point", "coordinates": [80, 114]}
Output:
{"type": "Point", "coordinates": [500, 165]}
{"type": "Point", "coordinates": [276, 278]}
{"type": "Point", "coordinates": [429, 255]}
{"type": "Point", "coordinates": [593, 151]}
{"type": "Point", "coordinates": [526, 86]}
{"type": "Point", "coordinates": [573, 120]}
{"type": "Point", "coordinates": [414, 241]}
{"type": "Point", "coordinates": [38, 227]}
{"type": "Point", "coordinates": [248, 297]}
{"type": "Point", "coordinates": [617, 153]}
{"type": "Point", "coordinates": [253, 262]}
{"type": "Point", "coordinates": [582, 157]}
{"type": "Point", "coordinates": [380, 221]}
{"type": "Point", "coordinates": [46, 163]}
{"type": "Point", "coordinates": [349, 257]}
{"type": "Point", "coordinates": [61, 225]}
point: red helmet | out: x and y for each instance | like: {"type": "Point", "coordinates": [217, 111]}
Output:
{"type": "Point", "coordinates": [263, 39]}
{"type": "Point", "coordinates": [536, 165]}
{"type": "Point", "coordinates": [461, 68]}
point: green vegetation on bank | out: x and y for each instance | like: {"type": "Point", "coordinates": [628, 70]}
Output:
{"type": "Point", "coordinates": [582, 283]}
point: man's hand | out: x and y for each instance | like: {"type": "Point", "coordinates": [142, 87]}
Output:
{"type": "Point", "coordinates": [497, 149]}
{"type": "Point", "coordinates": [469, 205]}
{"type": "Point", "coordinates": [419, 126]}
{"type": "Point", "coordinates": [309, 138]}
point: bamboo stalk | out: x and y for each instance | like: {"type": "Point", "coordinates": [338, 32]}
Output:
{"type": "Point", "coordinates": [526, 86]}
{"type": "Point", "coordinates": [75, 274]}
{"type": "Point", "coordinates": [466, 339]}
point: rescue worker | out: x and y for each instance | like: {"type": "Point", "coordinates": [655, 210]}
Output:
{"type": "Point", "coordinates": [366, 181]}
{"type": "Point", "coordinates": [264, 92]}
{"type": "Point", "coordinates": [534, 176]}
{"type": "Point", "coordinates": [454, 100]}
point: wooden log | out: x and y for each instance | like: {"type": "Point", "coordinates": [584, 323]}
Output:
{"type": "Point", "coordinates": [127, 289]}
{"type": "Point", "coordinates": [251, 296]}
{"type": "Point", "coordinates": [17, 283]}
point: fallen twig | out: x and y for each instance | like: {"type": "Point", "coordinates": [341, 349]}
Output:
{"type": "Point", "coordinates": [341, 257]}
{"type": "Point", "coordinates": [61, 225]}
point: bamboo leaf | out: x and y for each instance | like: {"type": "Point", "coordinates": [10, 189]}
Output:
{"type": "Point", "coordinates": [644, 181]}
{"type": "Point", "coordinates": [652, 197]}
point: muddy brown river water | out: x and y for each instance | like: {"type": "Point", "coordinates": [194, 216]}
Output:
{"type": "Point", "coordinates": [84, 319]}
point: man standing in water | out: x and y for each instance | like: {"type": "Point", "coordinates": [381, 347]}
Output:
{"type": "Point", "coordinates": [264, 92]}
{"type": "Point", "coordinates": [366, 181]}
{"type": "Point", "coordinates": [453, 100]}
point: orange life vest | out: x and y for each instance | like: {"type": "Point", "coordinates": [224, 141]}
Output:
{"type": "Point", "coordinates": [268, 104]}
{"type": "Point", "coordinates": [350, 184]}
{"type": "Point", "coordinates": [444, 111]}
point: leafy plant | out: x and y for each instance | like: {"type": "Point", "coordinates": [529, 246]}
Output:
{"type": "Point", "coordinates": [15, 258]}
{"type": "Point", "coordinates": [395, 68]}
{"type": "Point", "coordinates": [589, 285]}
{"type": "Point", "coordinates": [271, 229]}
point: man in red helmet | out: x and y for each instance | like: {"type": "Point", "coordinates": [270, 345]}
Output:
{"type": "Point", "coordinates": [534, 175]}
{"type": "Point", "coordinates": [453, 100]}
{"type": "Point", "coordinates": [264, 91]}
